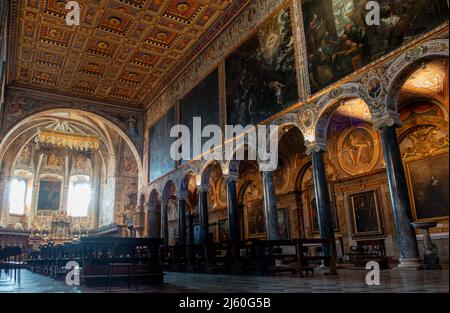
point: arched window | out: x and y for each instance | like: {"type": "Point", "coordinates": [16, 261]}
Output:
{"type": "Point", "coordinates": [79, 196]}
{"type": "Point", "coordinates": [17, 196]}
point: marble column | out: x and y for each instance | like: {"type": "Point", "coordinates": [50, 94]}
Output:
{"type": "Point", "coordinates": [270, 207]}
{"type": "Point", "coordinates": [203, 214]}
{"type": "Point", "coordinates": [182, 221]}
{"type": "Point", "coordinates": [151, 219]}
{"type": "Point", "coordinates": [233, 219]}
{"type": "Point", "coordinates": [322, 196]}
{"type": "Point", "coordinates": [165, 222]}
{"type": "Point", "coordinates": [406, 235]}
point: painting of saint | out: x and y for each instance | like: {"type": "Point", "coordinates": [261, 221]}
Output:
{"type": "Point", "coordinates": [429, 185]}
{"type": "Point", "coordinates": [25, 156]}
{"type": "Point", "coordinates": [261, 75]}
{"type": "Point", "coordinates": [130, 167]}
{"type": "Point", "coordinates": [256, 220]}
{"type": "Point", "coordinates": [283, 224]}
{"type": "Point", "coordinates": [223, 230]}
{"type": "Point", "coordinates": [160, 162]}
{"type": "Point", "coordinates": [80, 163]}
{"type": "Point", "coordinates": [339, 41]}
{"type": "Point", "coordinates": [53, 161]}
{"type": "Point", "coordinates": [49, 195]}
{"type": "Point", "coordinates": [365, 213]}
{"type": "Point", "coordinates": [16, 107]}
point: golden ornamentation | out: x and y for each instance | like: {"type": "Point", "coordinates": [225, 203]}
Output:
{"type": "Point", "coordinates": [424, 141]}
{"type": "Point", "coordinates": [63, 140]}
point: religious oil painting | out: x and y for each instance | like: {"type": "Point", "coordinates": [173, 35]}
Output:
{"type": "Point", "coordinates": [283, 224]}
{"type": "Point", "coordinates": [256, 220]}
{"type": "Point", "coordinates": [160, 142]}
{"type": "Point", "coordinates": [25, 157]}
{"type": "Point", "coordinates": [261, 75]}
{"type": "Point", "coordinates": [365, 213]}
{"type": "Point", "coordinates": [202, 102]}
{"type": "Point", "coordinates": [223, 230]}
{"type": "Point", "coordinates": [429, 185]}
{"type": "Point", "coordinates": [49, 195]}
{"type": "Point", "coordinates": [339, 41]}
{"type": "Point", "coordinates": [358, 150]}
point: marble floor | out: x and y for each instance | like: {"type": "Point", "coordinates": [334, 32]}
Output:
{"type": "Point", "coordinates": [347, 281]}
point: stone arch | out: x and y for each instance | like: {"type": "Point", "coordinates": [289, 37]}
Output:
{"type": "Point", "coordinates": [400, 70]}
{"type": "Point", "coordinates": [205, 172]}
{"type": "Point", "coordinates": [9, 134]}
{"type": "Point", "coordinates": [326, 113]}
{"type": "Point", "coordinates": [169, 188]}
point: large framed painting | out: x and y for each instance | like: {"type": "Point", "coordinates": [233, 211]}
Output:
{"type": "Point", "coordinates": [338, 40]}
{"type": "Point", "coordinates": [160, 162]}
{"type": "Point", "coordinates": [49, 195]}
{"type": "Point", "coordinates": [256, 226]}
{"type": "Point", "coordinates": [283, 223]}
{"type": "Point", "coordinates": [223, 230]}
{"type": "Point", "coordinates": [428, 187]}
{"type": "Point", "coordinates": [261, 75]}
{"type": "Point", "coordinates": [202, 102]}
{"type": "Point", "coordinates": [365, 214]}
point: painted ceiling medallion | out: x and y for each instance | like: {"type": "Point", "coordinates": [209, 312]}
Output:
{"type": "Point", "coordinates": [114, 21]}
{"type": "Point", "coordinates": [182, 7]}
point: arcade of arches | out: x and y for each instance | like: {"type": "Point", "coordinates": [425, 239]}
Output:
{"type": "Point", "coordinates": [362, 116]}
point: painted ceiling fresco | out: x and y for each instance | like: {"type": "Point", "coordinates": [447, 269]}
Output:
{"type": "Point", "coordinates": [121, 50]}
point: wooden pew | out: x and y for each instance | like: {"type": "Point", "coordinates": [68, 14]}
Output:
{"type": "Point", "coordinates": [107, 259]}
{"type": "Point", "coordinates": [369, 250]}
{"type": "Point", "coordinates": [304, 258]}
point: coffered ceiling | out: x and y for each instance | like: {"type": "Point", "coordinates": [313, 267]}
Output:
{"type": "Point", "coordinates": [118, 54]}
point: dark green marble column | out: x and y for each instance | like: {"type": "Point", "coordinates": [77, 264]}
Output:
{"type": "Point", "coordinates": [233, 219]}
{"type": "Point", "coordinates": [203, 214]}
{"type": "Point", "coordinates": [322, 198]}
{"type": "Point", "coordinates": [406, 235]}
{"type": "Point", "coordinates": [165, 222]}
{"type": "Point", "coordinates": [270, 206]}
{"type": "Point", "coordinates": [182, 222]}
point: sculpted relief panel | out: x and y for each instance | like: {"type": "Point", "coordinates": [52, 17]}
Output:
{"type": "Point", "coordinates": [358, 150]}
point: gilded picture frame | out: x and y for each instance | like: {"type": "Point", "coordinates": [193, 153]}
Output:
{"type": "Point", "coordinates": [365, 213]}
{"type": "Point", "coordinates": [432, 192]}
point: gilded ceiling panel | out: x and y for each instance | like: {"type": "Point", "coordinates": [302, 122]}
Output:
{"type": "Point", "coordinates": [120, 51]}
